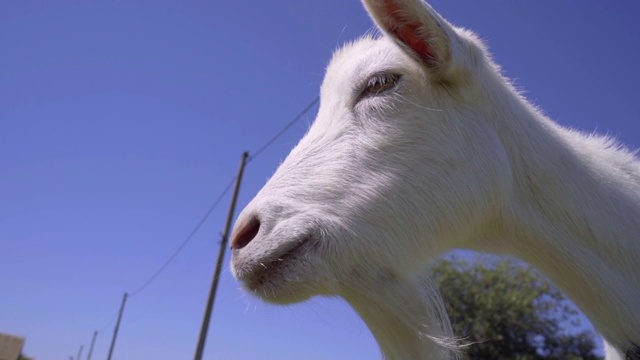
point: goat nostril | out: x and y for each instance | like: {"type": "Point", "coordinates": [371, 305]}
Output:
{"type": "Point", "coordinates": [245, 234]}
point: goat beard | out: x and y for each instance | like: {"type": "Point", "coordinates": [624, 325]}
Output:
{"type": "Point", "coordinates": [406, 316]}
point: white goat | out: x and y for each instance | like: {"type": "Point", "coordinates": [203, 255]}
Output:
{"type": "Point", "coordinates": [421, 146]}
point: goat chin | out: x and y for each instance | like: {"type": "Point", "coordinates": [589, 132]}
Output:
{"type": "Point", "coordinates": [407, 318]}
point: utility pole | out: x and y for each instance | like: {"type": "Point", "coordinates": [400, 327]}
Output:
{"type": "Point", "coordinates": [216, 275]}
{"type": "Point", "coordinates": [80, 352]}
{"type": "Point", "coordinates": [115, 331]}
{"type": "Point", "coordinates": [93, 341]}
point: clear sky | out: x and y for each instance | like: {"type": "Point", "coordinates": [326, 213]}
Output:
{"type": "Point", "coordinates": [121, 122]}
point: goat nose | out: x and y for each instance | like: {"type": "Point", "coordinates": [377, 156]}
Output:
{"type": "Point", "coordinates": [245, 233]}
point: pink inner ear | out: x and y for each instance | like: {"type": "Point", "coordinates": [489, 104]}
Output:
{"type": "Point", "coordinates": [407, 32]}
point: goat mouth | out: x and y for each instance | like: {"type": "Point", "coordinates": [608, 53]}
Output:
{"type": "Point", "coordinates": [274, 269]}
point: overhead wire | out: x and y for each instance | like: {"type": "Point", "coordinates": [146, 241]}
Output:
{"type": "Point", "coordinates": [104, 328]}
{"type": "Point", "coordinates": [189, 237]}
{"type": "Point", "coordinates": [284, 129]}
{"type": "Point", "coordinates": [217, 201]}
{"type": "Point", "coordinates": [185, 241]}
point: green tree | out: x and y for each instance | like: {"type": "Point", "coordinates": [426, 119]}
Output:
{"type": "Point", "coordinates": [507, 310]}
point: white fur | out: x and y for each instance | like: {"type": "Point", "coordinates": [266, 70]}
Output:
{"type": "Point", "coordinates": [452, 157]}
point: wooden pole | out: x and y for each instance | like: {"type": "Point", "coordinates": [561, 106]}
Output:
{"type": "Point", "coordinates": [80, 352]}
{"type": "Point", "coordinates": [93, 341]}
{"type": "Point", "coordinates": [115, 331]}
{"type": "Point", "coordinates": [216, 275]}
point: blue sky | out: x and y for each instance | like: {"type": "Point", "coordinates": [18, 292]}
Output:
{"type": "Point", "coordinates": [121, 122]}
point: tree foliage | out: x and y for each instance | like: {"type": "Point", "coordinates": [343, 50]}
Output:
{"type": "Point", "coordinates": [506, 310]}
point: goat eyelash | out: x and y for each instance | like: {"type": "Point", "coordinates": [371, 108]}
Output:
{"type": "Point", "coordinates": [378, 84]}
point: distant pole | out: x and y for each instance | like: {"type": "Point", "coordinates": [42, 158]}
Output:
{"type": "Point", "coordinates": [93, 341]}
{"type": "Point", "coordinates": [216, 275]}
{"type": "Point", "coordinates": [80, 352]}
{"type": "Point", "coordinates": [115, 331]}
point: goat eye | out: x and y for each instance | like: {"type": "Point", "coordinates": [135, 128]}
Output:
{"type": "Point", "coordinates": [379, 84]}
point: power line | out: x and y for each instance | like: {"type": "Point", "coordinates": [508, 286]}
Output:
{"type": "Point", "coordinates": [217, 201]}
{"type": "Point", "coordinates": [210, 211]}
{"type": "Point", "coordinates": [185, 241]}
{"type": "Point", "coordinates": [115, 316]}
{"type": "Point", "coordinates": [284, 129]}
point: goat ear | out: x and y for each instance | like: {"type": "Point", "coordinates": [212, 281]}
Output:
{"type": "Point", "coordinates": [419, 30]}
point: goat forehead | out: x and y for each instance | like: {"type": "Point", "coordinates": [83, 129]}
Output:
{"type": "Point", "coordinates": [355, 61]}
